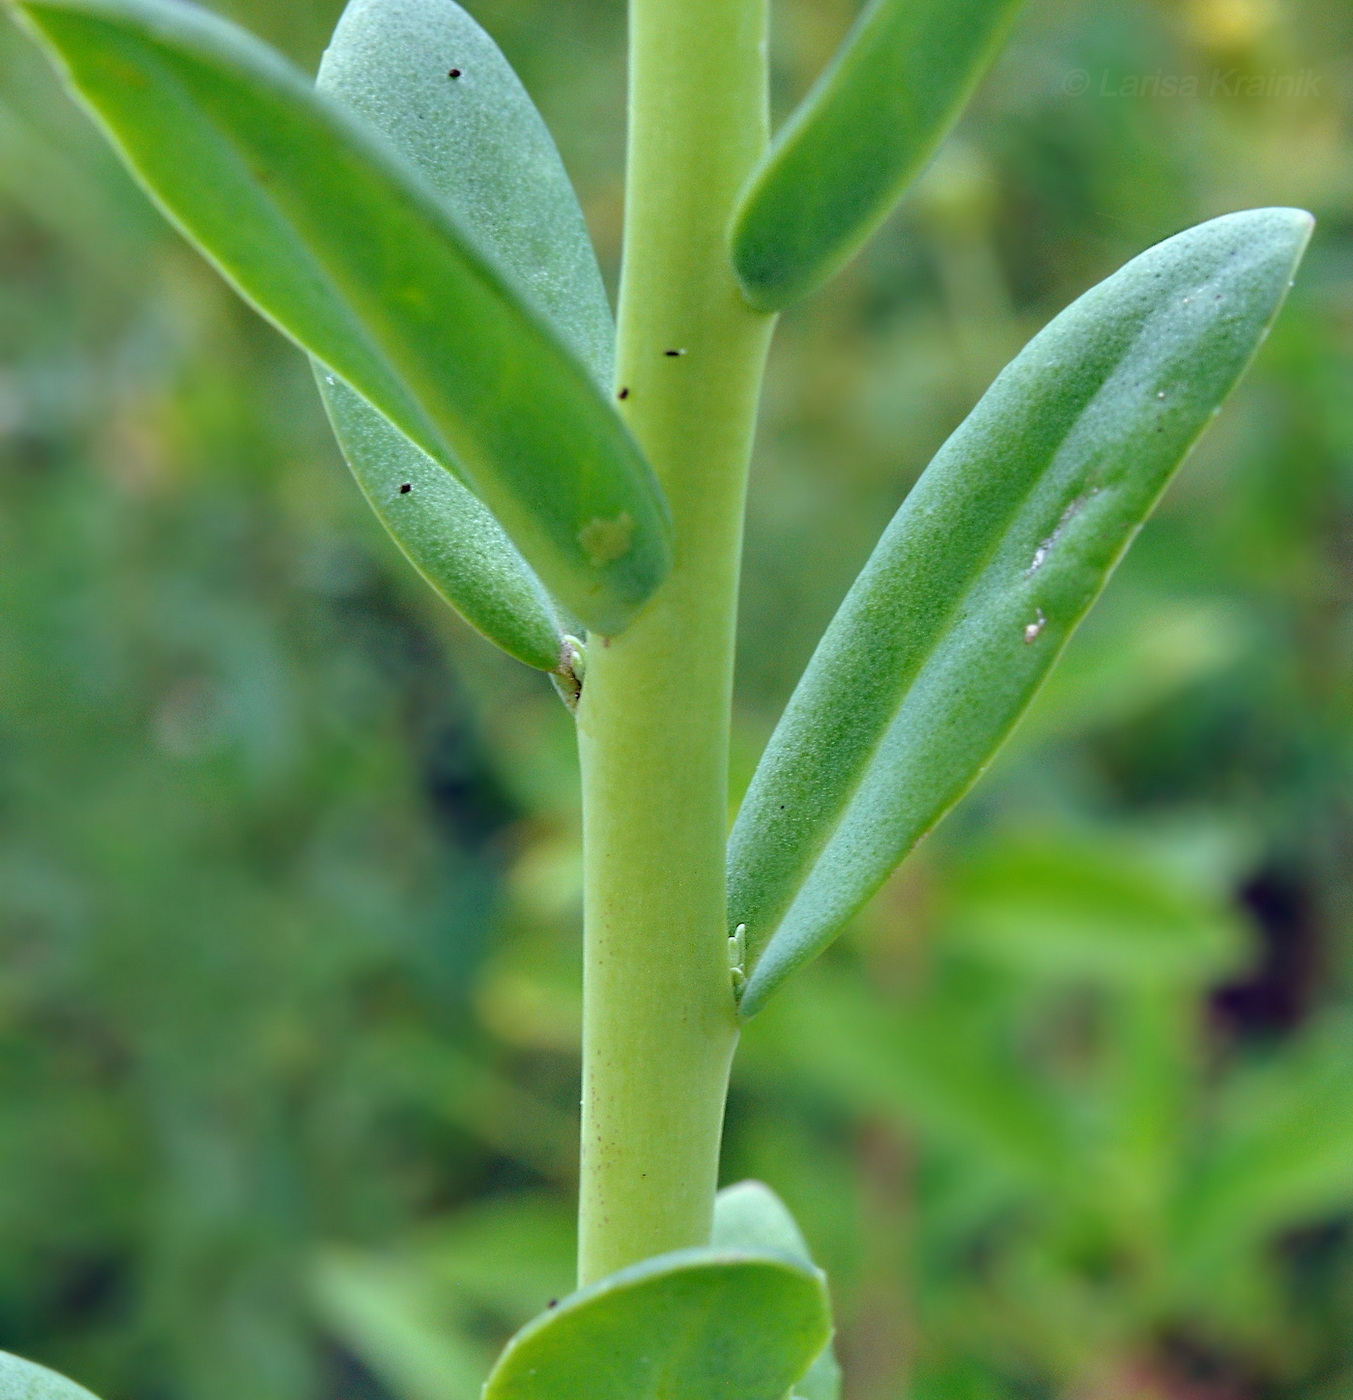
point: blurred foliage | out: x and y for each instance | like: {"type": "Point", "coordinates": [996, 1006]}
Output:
{"type": "Point", "coordinates": [289, 900]}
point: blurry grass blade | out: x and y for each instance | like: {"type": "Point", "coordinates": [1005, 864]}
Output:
{"type": "Point", "coordinates": [380, 1310]}
{"type": "Point", "coordinates": [942, 1067]}
{"type": "Point", "coordinates": [22, 1380]}
{"type": "Point", "coordinates": [751, 1216]}
{"type": "Point", "coordinates": [1069, 908]}
{"type": "Point", "coordinates": [984, 572]}
{"type": "Point", "coordinates": [859, 138]}
{"type": "Point", "coordinates": [418, 1315]}
{"type": "Point", "coordinates": [58, 190]}
{"type": "Point", "coordinates": [335, 238]}
{"type": "Point", "coordinates": [697, 1325]}
{"type": "Point", "coordinates": [1279, 1154]}
{"type": "Point", "coordinates": [481, 145]}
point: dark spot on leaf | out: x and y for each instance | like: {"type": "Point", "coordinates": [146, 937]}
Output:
{"type": "Point", "coordinates": [454, 73]}
{"type": "Point", "coordinates": [406, 488]}
{"type": "Point", "coordinates": [673, 354]}
{"type": "Point", "coordinates": [623, 394]}
{"type": "Point", "coordinates": [553, 1303]}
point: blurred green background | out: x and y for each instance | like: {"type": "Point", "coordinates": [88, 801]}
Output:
{"type": "Point", "coordinates": [289, 899]}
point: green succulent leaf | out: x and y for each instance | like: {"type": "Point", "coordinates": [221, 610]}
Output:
{"type": "Point", "coordinates": [445, 531]}
{"type": "Point", "coordinates": [481, 145]}
{"type": "Point", "coordinates": [22, 1380]}
{"type": "Point", "coordinates": [859, 138]}
{"type": "Point", "coordinates": [701, 1324]}
{"type": "Point", "coordinates": [985, 571]}
{"type": "Point", "coordinates": [336, 238]}
{"type": "Point", "coordinates": [750, 1216]}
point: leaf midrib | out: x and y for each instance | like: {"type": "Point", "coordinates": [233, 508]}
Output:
{"type": "Point", "coordinates": [234, 153]}
{"type": "Point", "coordinates": [942, 630]}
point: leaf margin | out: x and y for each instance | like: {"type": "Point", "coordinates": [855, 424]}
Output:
{"type": "Point", "coordinates": [774, 955]}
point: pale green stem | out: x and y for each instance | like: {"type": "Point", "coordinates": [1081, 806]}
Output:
{"type": "Point", "coordinates": [659, 1018]}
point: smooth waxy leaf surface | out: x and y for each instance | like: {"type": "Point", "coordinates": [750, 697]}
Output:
{"type": "Point", "coordinates": [479, 142]}
{"type": "Point", "coordinates": [991, 562]}
{"type": "Point", "coordinates": [860, 137]}
{"type": "Point", "coordinates": [701, 1324]}
{"type": "Point", "coordinates": [750, 1216]}
{"type": "Point", "coordinates": [445, 531]}
{"type": "Point", "coordinates": [336, 238]}
{"type": "Point", "coordinates": [22, 1380]}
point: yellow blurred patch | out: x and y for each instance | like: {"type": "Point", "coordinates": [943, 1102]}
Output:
{"type": "Point", "coordinates": [1230, 24]}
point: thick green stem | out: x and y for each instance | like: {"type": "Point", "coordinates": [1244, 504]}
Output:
{"type": "Point", "coordinates": [659, 1018]}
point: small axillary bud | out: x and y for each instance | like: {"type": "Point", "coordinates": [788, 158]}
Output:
{"type": "Point", "coordinates": [568, 677]}
{"type": "Point", "coordinates": [737, 959]}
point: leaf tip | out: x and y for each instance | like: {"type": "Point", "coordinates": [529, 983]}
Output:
{"type": "Point", "coordinates": [1282, 226]}
{"type": "Point", "coordinates": [760, 983]}
{"type": "Point", "coordinates": [760, 276]}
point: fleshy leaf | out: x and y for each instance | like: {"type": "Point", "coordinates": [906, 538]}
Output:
{"type": "Point", "coordinates": [445, 531]}
{"type": "Point", "coordinates": [986, 569]}
{"type": "Point", "coordinates": [335, 237]}
{"type": "Point", "coordinates": [479, 142]}
{"type": "Point", "coordinates": [23, 1380]}
{"type": "Point", "coordinates": [701, 1324]}
{"type": "Point", "coordinates": [859, 138]}
{"type": "Point", "coordinates": [751, 1216]}
{"type": "Point", "coordinates": [481, 145]}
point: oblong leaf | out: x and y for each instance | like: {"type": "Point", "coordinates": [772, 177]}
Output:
{"type": "Point", "coordinates": [24, 1380]}
{"type": "Point", "coordinates": [335, 238]}
{"type": "Point", "coordinates": [700, 1324]}
{"type": "Point", "coordinates": [986, 569]}
{"type": "Point", "coordinates": [750, 1216]}
{"type": "Point", "coordinates": [481, 145]}
{"type": "Point", "coordinates": [859, 138]}
{"type": "Point", "coordinates": [479, 142]}
{"type": "Point", "coordinates": [445, 531]}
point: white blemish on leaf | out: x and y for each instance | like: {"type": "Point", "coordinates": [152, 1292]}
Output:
{"type": "Point", "coordinates": [1068, 515]}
